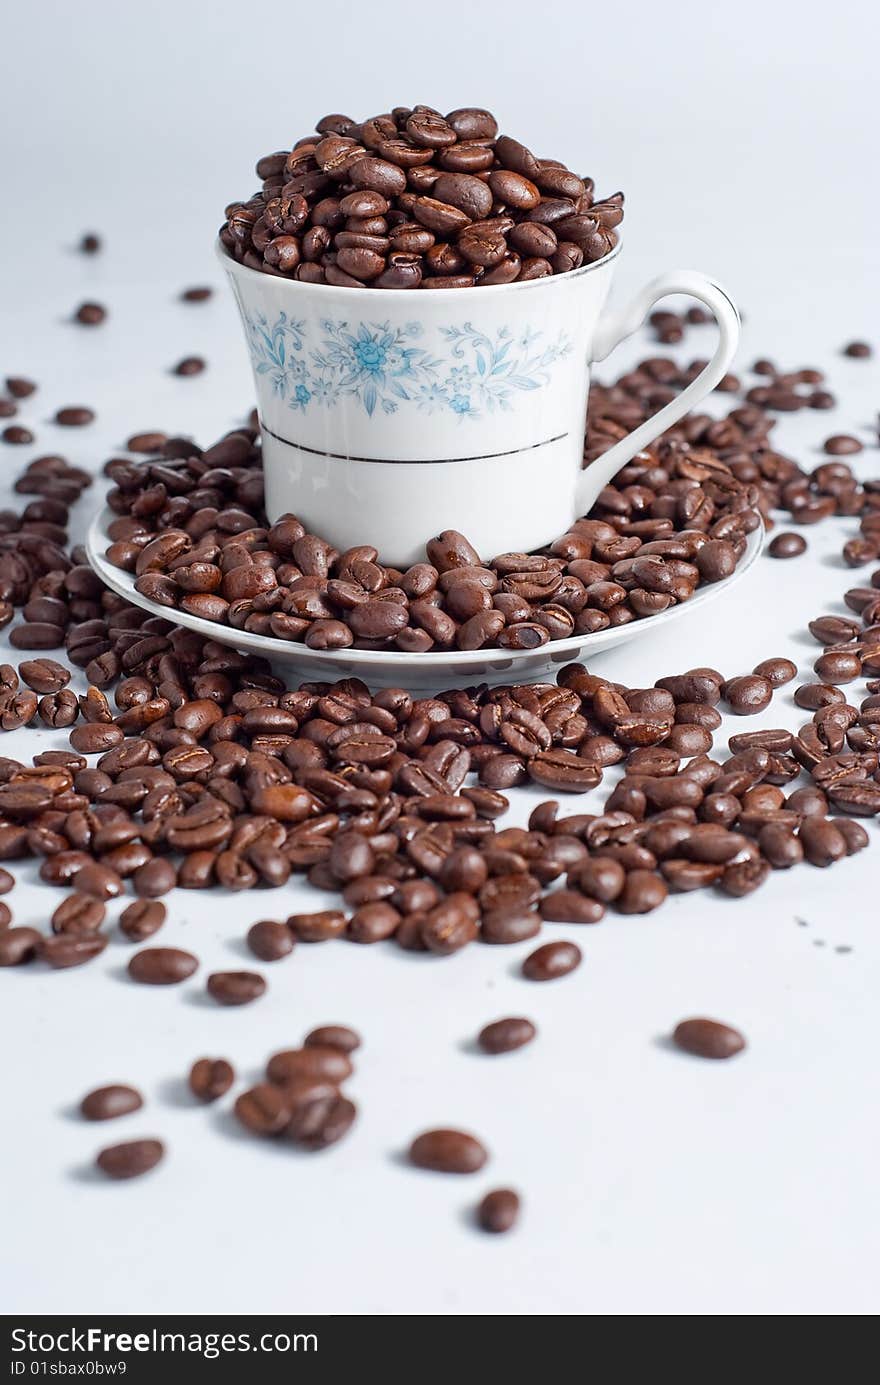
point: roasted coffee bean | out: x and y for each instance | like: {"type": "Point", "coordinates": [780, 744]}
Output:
{"type": "Point", "coordinates": [333, 1036]}
{"type": "Point", "coordinates": [643, 891]}
{"type": "Point", "coordinates": [17, 436]}
{"type": "Point", "coordinates": [447, 1151]}
{"type": "Point", "coordinates": [106, 1103]}
{"type": "Point", "coordinates": [141, 919]}
{"type": "Point", "coordinates": [20, 387]}
{"type": "Point", "coordinates": [570, 906]}
{"type": "Point", "coordinates": [551, 961]}
{"type": "Point", "coordinates": [777, 671]}
{"type": "Point", "coordinates": [190, 365]}
{"type": "Point", "coordinates": [415, 169]}
{"type": "Point", "coordinates": [318, 927]}
{"type": "Point", "coordinates": [18, 945]}
{"type": "Point", "coordinates": [44, 675]}
{"type": "Point", "coordinates": [787, 545]}
{"type": "Point", "coordinates": [69, 949]}
{"type": "Point", "coordinates": [264, 1109]}
{"type": "Point", "coordinates": [505, 1035]}
{"type": "Point", "coordinates": [91, 314]}
{"type": "Point", "coordinates": [842, 445]}
{"type": "Point", "coordinates": [210, 1078]}
{"type": "Point", "coordinates": [74, 416]}
{"type": "Point", "coordinates": [822, 842]}
{"type": "Point", "coordinates": [79, 914]}
{"type": "Point", "coordinates": [317, 1124]}
{"type": "Point", "coordinates": [130, 1160]}
{"type": "Point", "coordinates": [707, 1038]}
{"type": "Point", "coordinates": [499, 1211]}
{"type": "Point", "coordinates": [162, 966]}
{"type": "Point", "coordinates": [236, 987]}
{"type": "Point", "coordinates": [748, 694]}
{"type": "Point", "coordinates": [270, 940]}
{"type": "Point", "coordinates": [505, 925]}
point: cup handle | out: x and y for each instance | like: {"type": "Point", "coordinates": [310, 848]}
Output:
{"type": "Point", "coordinates": [618, 326]}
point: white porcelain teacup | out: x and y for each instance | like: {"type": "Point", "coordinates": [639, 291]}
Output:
{"type": "Point", "coordinates": [390, 415]}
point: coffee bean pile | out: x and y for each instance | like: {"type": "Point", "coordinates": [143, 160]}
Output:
{"type": "Point", "coordinates": [190, 765]}
{"type": "Point", "coordinates": [192, 532]}
{"type": "Point", "coordinates": [415, 199]}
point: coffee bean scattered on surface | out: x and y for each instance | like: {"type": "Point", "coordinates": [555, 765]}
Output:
{"type": "Point", "coordinates": [211, 1078]}
{"type": "Point", "coordinates": [236, 987]}
{"type": "Point", "coordinates": [212, 773]}
{"type": "Point", "coordinates": [19, 386]}
{"type": "Point", "coordinates": [333, 1036]}
{"type": "Point", "coordinates": [503, 1036]}
{"type": "Point", "coordinates": [858, 350]}
{"type": "Point", "coordinates": [552, 960]}
{"type": "Point", "coordinates": [787, 545]}
{"type": "Point", "coordinates": [106, 1103]}
{"type": "Point", "coordinates": [91, 314]}
{"type": "Point", "coordinates": [162, 966]}
{"type": "Point", "coordinates": [447, 1151]}
{"type": "Point", "coordinates": [17, 436]}
{"type": "Point", "coordinates": [131, 1159]}
{"type": "Point", "coordinates": [74, 416]}
{"type": "Point", "coordinates": [190, 365]}
{"type": "Point", "coordinates": [415, 199]}
{"type": "Point", "coordinates": [707, 1038]}
{"type": "Point", "coordinates": [499, 1210]}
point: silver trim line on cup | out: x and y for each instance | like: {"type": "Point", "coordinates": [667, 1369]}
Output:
{"type": "Point", "coordinates": [410, 461]}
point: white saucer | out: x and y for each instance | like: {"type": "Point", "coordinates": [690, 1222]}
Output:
{"type": "Point", "coordinates": [391, 668]}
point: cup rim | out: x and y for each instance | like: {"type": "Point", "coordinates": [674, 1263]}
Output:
{"type": "Point", "coordinates": [231, 264]}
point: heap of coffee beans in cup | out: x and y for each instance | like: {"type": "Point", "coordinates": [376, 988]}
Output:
{"type": "Point", "coordinates": [416, 199]}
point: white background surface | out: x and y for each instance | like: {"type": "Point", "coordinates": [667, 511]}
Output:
{"type": "Point", "coordinates": [652, 1183]}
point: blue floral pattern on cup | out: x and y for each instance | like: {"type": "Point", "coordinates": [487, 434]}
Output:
{"type": "Point", "coordinates": [381, 366]}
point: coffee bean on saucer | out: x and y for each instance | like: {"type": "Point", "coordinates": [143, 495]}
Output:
{"type": "Point", "coordinates": [858, 350]}
{"type": "Point", "coordinates": [707, 1038]}
{"type": "Point", "coordinates": [107, 1103]}
{"type": "Point", "coordinates": [787, 545]}
{"type": "Point", "coordinates": [131, 1159]}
